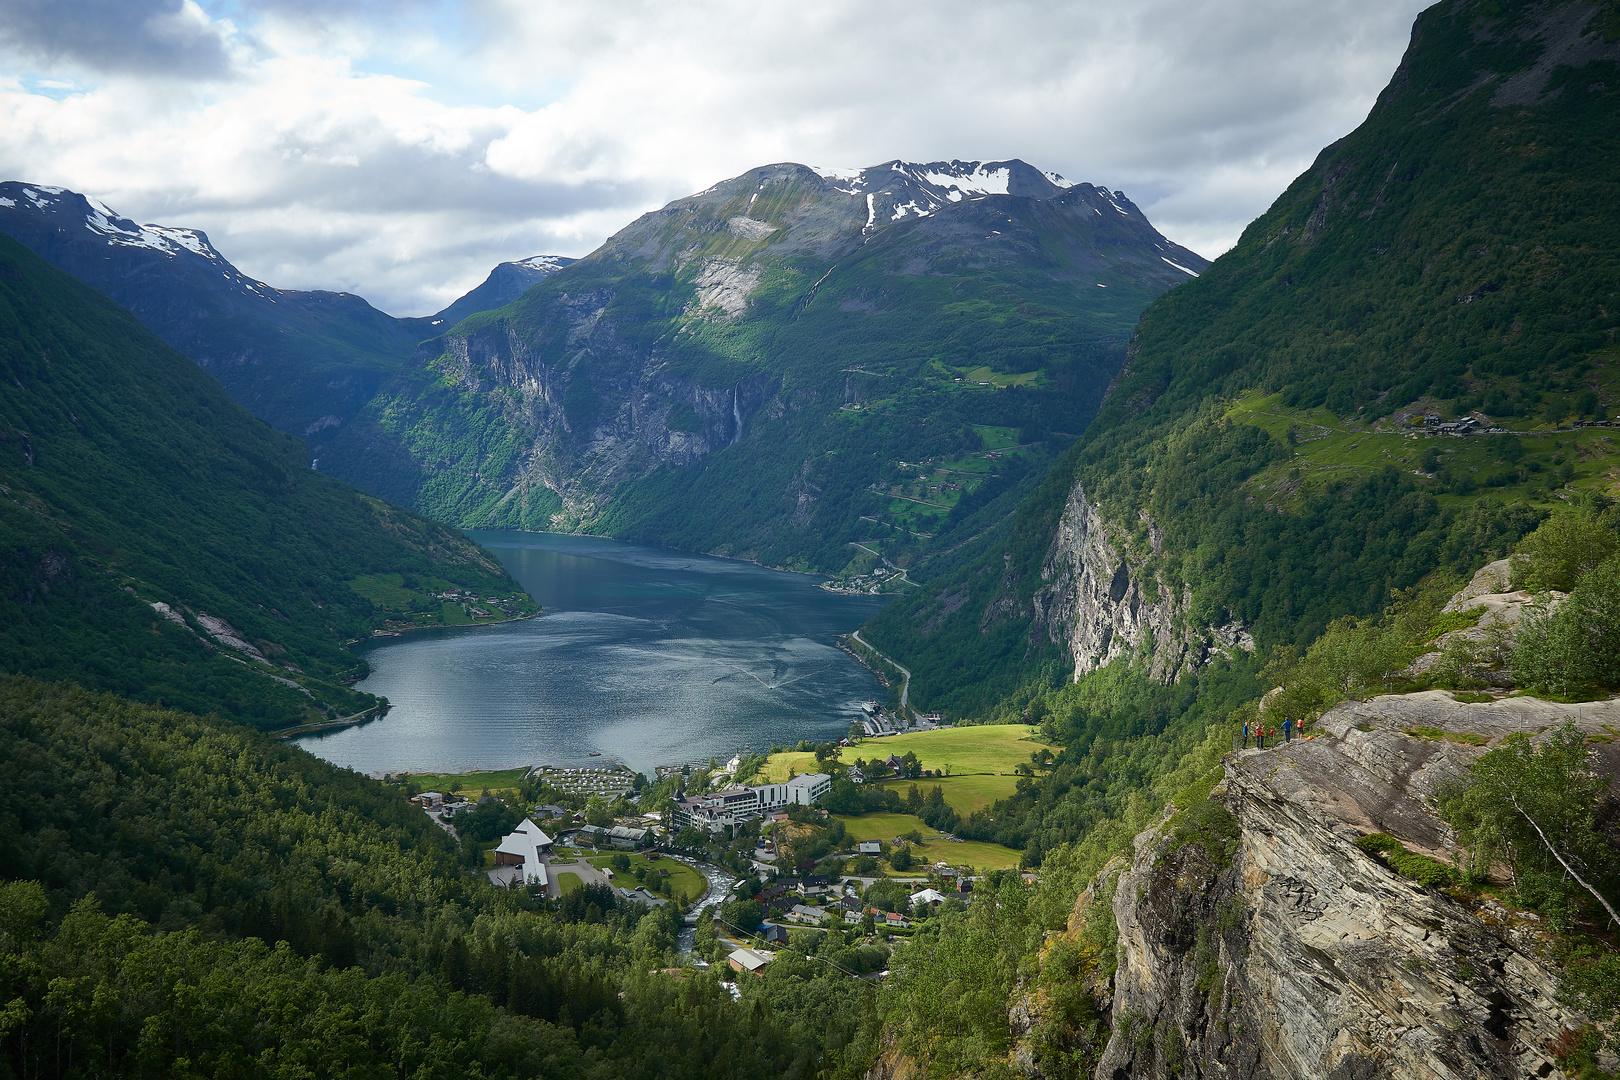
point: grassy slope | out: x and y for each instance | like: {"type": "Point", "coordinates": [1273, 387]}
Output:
{"type": "Point", "coordinates": [1449, 254]}
{"type": "Point", "coordinates": [1025, 315]}
{"type": "Point", "coordinates": [129, 476]}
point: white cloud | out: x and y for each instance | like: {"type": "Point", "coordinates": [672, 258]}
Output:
{"type": "Point", "coordinates": [400, 153]}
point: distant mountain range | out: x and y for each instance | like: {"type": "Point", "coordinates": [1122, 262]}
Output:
{"type": "Point", "coordinates": [744, 327]}
{"type": "Point", "coordinates": [748, 369]}
{"type": "Point", "coordinates": [304, 361]}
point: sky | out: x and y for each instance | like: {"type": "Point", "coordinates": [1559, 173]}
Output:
{"type": "Point", "coordinates": [399, 149]}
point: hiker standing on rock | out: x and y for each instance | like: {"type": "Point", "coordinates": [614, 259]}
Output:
{"type": "Point", "coordinates": [1288, 731]}
{"type": "Point", "coordinates": [1245, 736]}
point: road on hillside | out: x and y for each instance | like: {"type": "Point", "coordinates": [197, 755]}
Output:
{"type": "Point", "coordinates": [905, 684]}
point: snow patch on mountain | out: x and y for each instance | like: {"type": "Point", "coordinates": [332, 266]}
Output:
{"type": "Point", "coordinates": [981, 181]}
{"type": "Point", "coordinates": [1178, 266]}
{"type": "Point", "coordinates": [548, 264]}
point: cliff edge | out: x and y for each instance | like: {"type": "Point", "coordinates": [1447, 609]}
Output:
{"type": "Point", "coordinates": [1256, 939]}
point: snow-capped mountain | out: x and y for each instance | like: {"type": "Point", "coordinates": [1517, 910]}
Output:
{"type": "Point", "coordinates": [780, 327]}
{"type": "Point", "coordinates": [896, 189]}
{"type": "Point", "coordinates": [305, 361]}
{"type": "Point", "coordinates": [507, 282]}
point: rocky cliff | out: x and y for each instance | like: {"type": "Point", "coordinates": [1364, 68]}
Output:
{"type": "Point", "coordinates": [1102, 605]}
{"type": "Point", "coordinates": [1256, 939]}
{"type": "Point", "coordinates": [736, 370]}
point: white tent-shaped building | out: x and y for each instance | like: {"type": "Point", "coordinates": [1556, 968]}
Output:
{"type": "Point", "coordinates": [521, 856]}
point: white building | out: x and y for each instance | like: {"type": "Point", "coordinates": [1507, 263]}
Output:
{"type": "Point", "coordinates": [521, 856]}
{"type": "Point", "coordinates": [731, 806]}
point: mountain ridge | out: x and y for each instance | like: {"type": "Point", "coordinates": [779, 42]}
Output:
{"type": "Point", "coordinates": [643, 379]}
{"type": "Point", "coordinates": [304, 360]}
{"type": "Point", "coordinates": [1423, 265]}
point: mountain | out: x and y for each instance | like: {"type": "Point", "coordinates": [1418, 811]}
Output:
{"type": "Point", "coordinates": [1262, 464]}
{"type": "Point", "coordinates": [304, 361]}
{"type": "Point", "coordinates": [158, 541]}
{"type": "Point", "coordinates": [507, 282]}
{"type": "Point", "coordinates": [782, 365]}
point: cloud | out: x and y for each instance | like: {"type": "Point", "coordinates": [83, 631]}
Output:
{"type": "Point", "coordinates": [399, 152]}
{"type": "Point", "coordinates": [160, 38]}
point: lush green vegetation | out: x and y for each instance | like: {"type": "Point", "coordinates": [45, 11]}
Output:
{"type": "Point", "coordinates": [1421, 265]}
{"type": "Point", "coordinates": [858, 359]}
{"type": "Point", "coordinates": [183, 896]}
{"type": "Point", "coordinates": [128, 477]}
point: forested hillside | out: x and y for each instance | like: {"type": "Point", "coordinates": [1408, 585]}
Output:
{"type": "Point", "coordinates": [1263, 461]}
{"type": "Point", "coordinates": [129, 479]}
{"type": "Point", "coordinates": [235, 907]}
{"type": "Point", "coordinates": [782, 365]}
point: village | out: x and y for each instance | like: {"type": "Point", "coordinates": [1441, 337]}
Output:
{"type": "Point", "coordinates": [753, 852]}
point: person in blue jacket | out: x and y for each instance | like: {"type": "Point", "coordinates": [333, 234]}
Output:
{"type": "Point", "coordinates": [1245, 736]}
{"type": "Point", "coordinates": [1288, 731]}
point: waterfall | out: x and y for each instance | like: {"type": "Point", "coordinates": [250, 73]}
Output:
{"type": "Point", "coordinates": [736, 416]}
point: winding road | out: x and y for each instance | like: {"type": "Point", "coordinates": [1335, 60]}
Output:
{"type": "Point", "coordinates": [905, 684]}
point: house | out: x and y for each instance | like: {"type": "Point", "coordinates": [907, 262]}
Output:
{"type": "Point", "coordinates": [931, 897]}
{"type": "Point", "coordinates": [856, 776]}
{"type": "Point", "coordinates": [895, 922]}
{"type": "Point", "coordinates": [893, 762]}
{"type": "Point", "coordinates": [521, 856]}
{"type": "Point", "coordinates": [870, 847]}
{"type": "Point", "coordinates": [774, 934]}
{"type": "Point", "coordinates": [803, 913]}
{"type": "Point", "coordinates": [428, 799]}
{"type": "Point", "coordinates": [749, 960]}
{"type": "Point", "coordinates": [621, 836]}
{"type": "Point", "coordinates": [816, 885]}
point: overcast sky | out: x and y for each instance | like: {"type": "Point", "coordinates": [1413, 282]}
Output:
{"type": "Point", "coordinates": [400, 149]}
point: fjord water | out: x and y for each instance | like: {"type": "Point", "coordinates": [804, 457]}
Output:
{"type": "Point", "coordinates": [643, 655]}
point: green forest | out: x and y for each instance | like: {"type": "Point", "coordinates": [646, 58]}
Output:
{"type": "Point", "coordinates": [129, 478]}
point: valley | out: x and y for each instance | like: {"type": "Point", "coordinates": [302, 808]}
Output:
{"type": "Point", "coordinates": [624, 548]}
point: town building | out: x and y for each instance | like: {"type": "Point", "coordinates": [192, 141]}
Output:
{"type": "Point", "coordinates": [520, 857]}
{"type": "Point", "coordinates": [749, 960]}
{"type": "Point", "coordinates": [869, 847]}
{"type": "Point", "coordinates": [713, 811]}
{"type": "Point", "coordinates": [428, 799]}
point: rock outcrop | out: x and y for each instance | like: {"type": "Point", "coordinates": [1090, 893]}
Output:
{"type": "Point", "coordinates": [1101, 607]}
{"type": "Point", "coordinates": [1487, 644]}
{"type": "Point", "coordinates": [1290, 952]}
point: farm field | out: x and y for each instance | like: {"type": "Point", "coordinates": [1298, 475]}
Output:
{"type": "Point", "coordinates": [992, 748]}
{"type": "Point", "coordinates": [964, 794]}
{"type": "Point", "coordinates": [979, 855]}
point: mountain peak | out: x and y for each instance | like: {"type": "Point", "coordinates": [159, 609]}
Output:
{"type": "Point", "coordinates": [69, 209]}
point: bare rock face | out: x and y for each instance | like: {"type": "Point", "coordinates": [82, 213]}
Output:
{"type": "Point", "coordinates": [1292, 953]}
{"type": "Point", "coordinates": [1501, 609]}
{"type": "Point", "coordinates": [1103, 608]}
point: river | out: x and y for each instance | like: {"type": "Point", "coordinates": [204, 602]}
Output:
{"type": "Point", "coordinates": [644, 656]}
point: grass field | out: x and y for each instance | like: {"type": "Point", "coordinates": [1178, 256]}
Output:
{"type": "Point", "coordinates": [993, 748]}
{"type": "Point", "coordinates": [964, 794]}
{"type": "Point", "coordinates": [682, 880]}
{"type": "Point", "coordinates": [776, 769]}
{"type": "Point", "coordinates": [1329, 448]}
{"type": "Point", "coordinates": [567, 883]}
{"type": "Point", "coordinates": [980, 856]}
{"type": "Point", "coordinates": [471, 783]}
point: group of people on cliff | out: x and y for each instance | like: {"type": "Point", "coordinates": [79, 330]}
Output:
{"type": "Point", "coordinates": [1260, 733]}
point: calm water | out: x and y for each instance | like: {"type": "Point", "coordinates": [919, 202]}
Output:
{"type": "Point", "coordinates": [644, 655]}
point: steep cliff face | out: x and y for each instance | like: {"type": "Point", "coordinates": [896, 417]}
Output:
{"type": "Point", "coordinates": [1101, 607]}
{"type": "Point", "coordinates": [1283, 950]}
{"type": "Point", "coordinates": [720, 365]}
